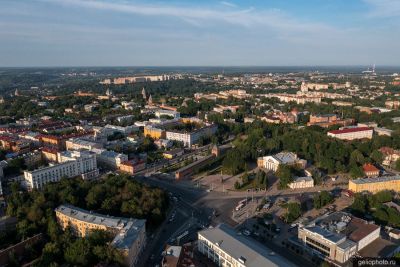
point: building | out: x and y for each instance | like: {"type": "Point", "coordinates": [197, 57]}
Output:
{"type": "Point", "coordinates": [191, 138]}
{"type": "Point", "coordinates": [370, 170]}
{"type": "Point", "coordinates": [188, 170]}
{"type": "Point", "coordinates": [169, 113]}
{"type": "Point", "coordinates": [111, 129]}
{"type": "Point", "coordinates": [155, 133]}
{"type": "Point", "coordinates": [352, 133]}
{"type": "Point", "coordinates": [375, 185]}
{"type": "Point", "coordinates": [327, 120]}
{"type": "Point", "coordinates": [299, 99]}
{"type": "Point", "coordinates": [392, 104]}
{"type": "Point", "coordinates": [129, 234]}
{"type": "Point", "coordinates": [390, 155]}
{"type": "Point", "coordinates": [49, 154]}
{"type": "Point", "coordinates": [302, 182]}
{"type": "Point", "coordinates": [339, 236]}
{"type": "Point", "coordinates": [109, 159]}
{"type": "Point", "coordinates": [79, 144]}
{"type": "Point", "coordinates": [179, 256]}
{"type": "Point", "coordinates": [286, 158]}
{"type": "Point", "coordinates": [314, 86]}
{"type": "Point", "coordinates": [223, 246]}
{"type": "Point", "coordinates": [383, 131]}
{"type": "Point", "coordinates": [71, 164]}
{"type": "Point", "coordinates": [132, 166]}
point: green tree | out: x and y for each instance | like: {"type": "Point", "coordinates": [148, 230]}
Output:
{"type": "Point", "coordinates": [285, 176]}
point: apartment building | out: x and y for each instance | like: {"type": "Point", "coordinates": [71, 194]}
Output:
{"type": "Point", "coordinates": [132, 166]}
{"type": "Point", "coordinates": [191, 138]}
{"type": "Point", "coordinates": [299, 99]}
{"type": "Point", "coordinates": [352, 133]}
{"type": "Point", "coordinates": [129, 234]}
{"type": "Point", "coordinates": [286, 158]}
{"type": "Point", "coordinates": [79, 144]}
{"type": "Point", "coordinates": [375, 185]}
{"type": "Point", "coordinates": [71, 164]}
{"type": "Point", "coordinates": [155, 133]}
{"type": "Point", "coordinates": [339, 236]}
{"type": "Point", "coordinates": [170, 113]}
{"type": "Point", "coordinates": [109, 159]}
{"type": "Point", "coordinates": [223, 246]}
{"type": "Point", "coordinates": [327, 120]}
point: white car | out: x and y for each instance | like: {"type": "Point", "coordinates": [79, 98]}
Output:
{"type": "Point", "coordinates": [246, 232]}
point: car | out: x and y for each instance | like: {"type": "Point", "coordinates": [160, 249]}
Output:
{"type": "Point", "coordinates": [246, 232]}
{"type": "Point", "coordinates": [272, 253]}
{"type": "Point", "coordinates": [277, 229]}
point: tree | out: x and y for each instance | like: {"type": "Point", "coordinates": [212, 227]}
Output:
{"type": "Point", "coordinates": [397, 165]}
{"type": "Point", "coordinates": [322, 199]}
{"type": "Point", "coordinates": [237, 185]}
{"type": "Point", "coordinates": [356, 171]}
{"type": "Point", "coordinates": [78, 253]}
{"type": "Point", "coordinates": [293, 212]}
{"type": "Point", "coordinates": [377, 156]}
{"type": "Point", "coordinates": [285, 176]}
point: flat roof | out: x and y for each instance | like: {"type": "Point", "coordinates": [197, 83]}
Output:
{"type": "Point", "coordinates": [128, 227]}
{"type": "Point", "coordinates": [375, 180]}
{"type": "Point", "coordinates": [238, 246]}
{"type": "Point", "coordinates": [351, 130]}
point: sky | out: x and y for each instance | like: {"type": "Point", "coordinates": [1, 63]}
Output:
{"type": "Point", "coordinates": [199, 33]}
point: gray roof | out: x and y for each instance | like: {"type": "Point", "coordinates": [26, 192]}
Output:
{"type": "Point", "coordinates": [238, 246]}
{"type": "Point", "coordinates": [128, 228]}
{"type": "Point", "coordinates": [376, 180]}
{"type": "Point", "coordinates": [328, 235]}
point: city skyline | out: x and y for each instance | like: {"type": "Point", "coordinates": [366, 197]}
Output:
{"type": "Point", "coordinates": [211, 33]}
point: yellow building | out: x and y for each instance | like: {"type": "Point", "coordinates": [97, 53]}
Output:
{"type": "Point", "coordinates": [374, 185]}
{"type": "Point", "coordinates": [129, 234]}
{"type": "Point", "coordinates": [154, 133]}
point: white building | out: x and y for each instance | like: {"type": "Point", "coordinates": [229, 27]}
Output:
{"type": "Point", "coordinates": [110, 159]}
{"type": "Point", "coordinates": [111, 129]}
{"type": "Point", "coordinates": [223, 246]}
{"type": "Point", "coordinates": [302, 182]}
{"type": "Point", "coordinates": [191, 138]}
{"type": "Point", "coordinates": [171, 113]}
{"type": "Point", "coordinates": [352, 133]}
{"type": "Point", "coordinates": [79, 143]}
{"type": "Point", "coordinates": [71, 164]}
{"type": "Point", "coordinates": [286, 158]}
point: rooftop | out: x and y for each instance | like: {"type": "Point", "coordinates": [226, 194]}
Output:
{"type": "Point", "coordinates": [375, 180]}
{"type": "Point", "coordinates": [351, 130]}
{"type": "Point", "coordinates": [128, 227]}
{"type": "Point", "coordinates": [239, 247]}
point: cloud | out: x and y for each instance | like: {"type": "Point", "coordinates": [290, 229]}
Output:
{"type": "Point", "coordinates": [383, 8]}
{"type": "Point", "coordinates": [229, 4]}
{"type": "Point", "coordinates": [197, 15]}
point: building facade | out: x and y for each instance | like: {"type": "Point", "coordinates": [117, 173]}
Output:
{"type": "Point", "coordinates": [71, 164]}
{"type": "Point", "coordinates": [375, 185]}
{"type": "Point", "coordinates": [352, 133]}
{"type": "Point", "coordinates": [129, 234]}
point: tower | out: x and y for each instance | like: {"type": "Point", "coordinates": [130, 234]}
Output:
{"type": "Point", "coordinates": [144, 94]}
{"type": "Point", "coordinates": [150, 102]}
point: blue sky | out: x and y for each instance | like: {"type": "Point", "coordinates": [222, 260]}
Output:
{"type": "Point", "coordinates": [206, 32]}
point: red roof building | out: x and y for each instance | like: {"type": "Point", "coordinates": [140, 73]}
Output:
{"type": "Point", "coordinates": [352, 133]}
{"type": "Point", "coordinates": [370, 170]}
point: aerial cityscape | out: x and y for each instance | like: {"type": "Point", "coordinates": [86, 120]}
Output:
{"type": "Point", "coordinates": [183, 134]}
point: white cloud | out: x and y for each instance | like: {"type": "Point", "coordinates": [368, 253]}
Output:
{"type": "Point", "coordinates": [196, 15]}
{"type": "Point", "coordinates": [229, 4]}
